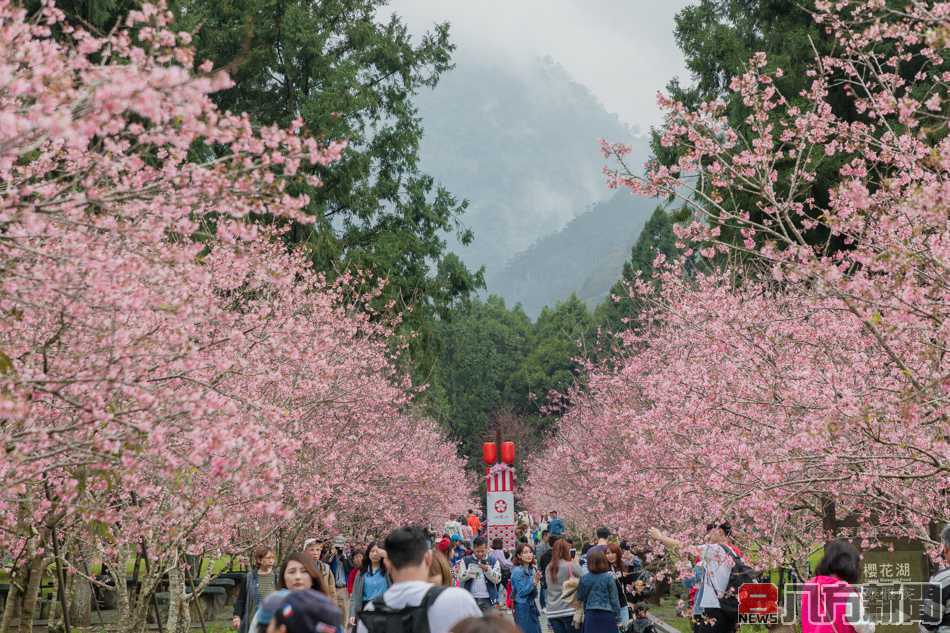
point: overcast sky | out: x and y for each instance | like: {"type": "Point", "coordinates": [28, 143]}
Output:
{"type": "Point", "coordinates": [623, 50]}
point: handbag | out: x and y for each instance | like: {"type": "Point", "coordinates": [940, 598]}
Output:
{"type": "Point", "coordinates": [569, 595]}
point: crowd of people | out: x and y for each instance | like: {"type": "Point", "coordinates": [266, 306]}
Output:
{"type": "Point", "coordinates": [418, 581]}
{"type": "Point", "coordinates": [450, 576]}
{"type": "Point", "coordinates": [545, 574]}
{"type": "Point", "coordinates": [399, 584]}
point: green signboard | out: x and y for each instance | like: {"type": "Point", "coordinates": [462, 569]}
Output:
{"type": "Point", "coordinates": [892, 578]}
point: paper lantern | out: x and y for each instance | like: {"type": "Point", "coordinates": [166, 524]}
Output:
{"type": "Point", "coordinates": [490, 453]}
{"type": "Point", "coordinates": [508, 453]}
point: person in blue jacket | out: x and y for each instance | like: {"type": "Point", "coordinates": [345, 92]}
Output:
{"type": "Point", "coordinates": [598, 591]}
{"type": "Point", "coordinates": [525, 579]}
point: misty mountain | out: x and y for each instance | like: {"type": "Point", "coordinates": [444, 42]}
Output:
{"type": "Point", "coordinates": [521, 144]}
{"type": "Point", "coordinates": [585, 257]}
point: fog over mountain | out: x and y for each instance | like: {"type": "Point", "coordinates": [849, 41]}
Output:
{"type": "Point", "coordinates": [585, 257]}
{"type": "Point", "coordinates": [620, 49]}
{"type": "Point", "coordinates": [521, 144]}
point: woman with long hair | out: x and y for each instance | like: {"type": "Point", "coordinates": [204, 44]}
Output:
{"type": "Point", "coordinates": [440, 571]}
{"type": "Point", "coordinates": [260, 581]}
{"type": "Point", "coordinates": [525, 580]}
{"type": "Point", "coordinates": [299, 572]}
{"type": "Point", "coordinates": [372, 580]}
{"type": "Point", "coordinates": [831, 603]}
{"type": "Point", "coordinates": [562, 568]}
{"type": "Point", "coordinates": [598, 591]}
{"type": "Point", "coordinates": [614, 556]}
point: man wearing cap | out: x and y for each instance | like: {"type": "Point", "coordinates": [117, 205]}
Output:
{"type": "Point", "coordinates": [717, 563]}
{"type": "Point", "coordinates": [306, 611]}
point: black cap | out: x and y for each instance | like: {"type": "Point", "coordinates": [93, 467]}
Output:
{"type": "Point", "coordinates": [308, 611]}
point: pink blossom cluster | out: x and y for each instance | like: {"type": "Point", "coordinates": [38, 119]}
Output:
{"type": "Point", "coordinates": [169, 373]}
{"type": "Point", "coordinates": [822, 380]}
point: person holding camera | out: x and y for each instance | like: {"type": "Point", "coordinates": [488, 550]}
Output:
{"type": "Point", "coordinates": [525, 581]}
{"type": "Point", "coordinates": [339, 568]}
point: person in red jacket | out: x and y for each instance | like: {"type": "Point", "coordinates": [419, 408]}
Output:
{"type": "Point", "coordinates": [356, 565]}
{"type": "Point", "coordinates": [474, 522]}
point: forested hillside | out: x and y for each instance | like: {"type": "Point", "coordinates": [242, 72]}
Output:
{"type": "Point", "coordinates": [522, 147]}
{"type": "Point", "coordinates": [584, 258]}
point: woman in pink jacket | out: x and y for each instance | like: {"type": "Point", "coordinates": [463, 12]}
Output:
{"type": "Point", "coordinates": [831, 603]}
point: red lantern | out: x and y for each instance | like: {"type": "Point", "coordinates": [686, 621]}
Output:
{"type": "Point", "coordinates": [490, 453]}
{"type": "Point", "coordinates": [508, 453]}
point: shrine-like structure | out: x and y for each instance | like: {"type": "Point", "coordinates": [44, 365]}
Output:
{"type": "Point", "coordinates": [500, 491]}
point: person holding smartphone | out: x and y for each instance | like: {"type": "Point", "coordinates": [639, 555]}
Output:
{"type": "Point", "coordinates": [562, 568]}
{"type": "Point", "coordinates": [525, 583]}
{"type": "Point", "coordinates": [480, 576]}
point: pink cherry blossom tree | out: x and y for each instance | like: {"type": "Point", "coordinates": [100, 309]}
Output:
{"type": "Point", "coordinates": [745, 403]}
{"type": "Point", "coordinates": [817, 384]}
{"type": "Point", "coordinates": [173, 380]}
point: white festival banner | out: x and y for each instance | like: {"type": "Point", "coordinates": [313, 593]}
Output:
{"type": "Point", "coordinates": [501, 507]}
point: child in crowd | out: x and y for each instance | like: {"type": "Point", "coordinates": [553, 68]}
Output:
{"type": "Point", "coordinates": [641, 622]}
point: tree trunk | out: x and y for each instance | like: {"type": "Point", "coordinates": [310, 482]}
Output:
{"type": "Point", "coordinates": [31, 593]}
{"type": "Point", "coordinates": [80, 601]}
{"type": "Point", "coordinates": [131, 612]}
{"type": "Point", "coordinates": [137, 610]}
{"type": "Point", "coordinates": [55, 622]}
{"type": "Point", "coordinates": [136, 614]}
{"type": "Point", "coordinates": [13, 601]}
{"type": "Point", "coordinates": [122, 606]}
{"type": "Point", "coordinates": [175, 599]}
{"type": "Point", "coordinates": [80, 589]}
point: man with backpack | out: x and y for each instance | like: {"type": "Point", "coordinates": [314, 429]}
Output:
{"type": "Point", "coordinates": [724, 573]}
{"type": "Point", "coordinates": [480, 576]}
{"type": "Point", "coordinates": [412, 604]}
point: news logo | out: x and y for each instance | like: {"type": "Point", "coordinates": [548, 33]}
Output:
{"type": "Point", "coordinates": [758, 603]}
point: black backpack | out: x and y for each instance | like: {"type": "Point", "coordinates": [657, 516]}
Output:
{"type": "Point", "coordinates": [384, 619]}
{"type": "Point", "coordinates": [739, 575]}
